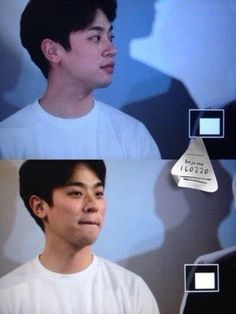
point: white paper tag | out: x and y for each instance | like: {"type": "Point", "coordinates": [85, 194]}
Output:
{"type": "Point", "coordinates": [194, 169]}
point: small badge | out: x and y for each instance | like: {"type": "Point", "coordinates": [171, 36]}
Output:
{"type": "Point", "coordinates": [194, 169]}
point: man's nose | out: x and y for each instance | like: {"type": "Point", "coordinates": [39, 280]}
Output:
{"type": "Point", "coordinates": [90, 204]}
{"type": "Point", "coordinates": [109, 49]}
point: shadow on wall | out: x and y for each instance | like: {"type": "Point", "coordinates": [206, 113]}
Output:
{"type": "Point", "coordinates": [8, 188]}
{"type": "Point", "coordinates": [158, 100]}
{"type": "Point", "coordinates": [192, 219]}
{"type": "Point", "coordinates": [9, 75]}
{"type": "Point", "coordinates": [166, 118]}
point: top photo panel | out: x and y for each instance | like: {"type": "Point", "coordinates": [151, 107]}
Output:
{"type": "Point", "coordinates": [117, 79]}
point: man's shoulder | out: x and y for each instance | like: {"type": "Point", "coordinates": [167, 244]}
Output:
{"type": "Point", "coordinates": [117, 114]}
{"type": "Point", "coordinates": [128, 130]}
{"type": "Point", "coordinates": [19, 118]}
{"type": "Point", "coordinates": [118, 272]}
{"type": "Point", "coordinates": [17, 276]}
{"type": "Point", "coordinates": [123, 279]}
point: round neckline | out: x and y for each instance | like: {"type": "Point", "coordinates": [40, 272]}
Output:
{"type": "Point", "coordinates": [46, 116]}
{"type": "Point", "coordinates": [54, 275]}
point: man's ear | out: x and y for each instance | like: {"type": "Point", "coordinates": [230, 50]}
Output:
{"type": "Point", "coordinates": [39, 206]}
{"type": "Point", "coordinates": [51, 50]}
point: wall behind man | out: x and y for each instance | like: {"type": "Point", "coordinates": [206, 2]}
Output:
{"type": "Point", "coordinates": [152, 227]}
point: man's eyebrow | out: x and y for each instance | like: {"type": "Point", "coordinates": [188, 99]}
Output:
{"type": "Point", "coordinates": [83, 185]}
{"type": "Point", "coordinates": [99, 28]}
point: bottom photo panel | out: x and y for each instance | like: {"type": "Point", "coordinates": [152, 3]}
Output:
{"type": "Point", "coordinates": [104, 236]}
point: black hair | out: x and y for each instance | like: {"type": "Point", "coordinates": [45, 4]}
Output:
{"type": "Point", "coordinates": [41, 177]}
{"type": "Point", "coordinates": [56, 19]}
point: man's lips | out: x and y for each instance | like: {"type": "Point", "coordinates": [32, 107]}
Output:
{"type": "Point", "coordinates": [89, 222]}
{"type": "Point", "coordinates": [108, 67]}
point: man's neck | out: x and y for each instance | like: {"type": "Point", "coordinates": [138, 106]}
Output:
{"type": "Point", "coordinates": [66, 261]}
{"type": "Point", "coordinates": [66, 100]}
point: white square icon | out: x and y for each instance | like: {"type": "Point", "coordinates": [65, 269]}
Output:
{"type": "Point", "coordinates": [209, 126]}
{"type": "Point", "coordinates": [204, 280]}
{"type": "Point", "coordinates": [201, 278]}
{"type": "Point", "coordinates": [206, 123]}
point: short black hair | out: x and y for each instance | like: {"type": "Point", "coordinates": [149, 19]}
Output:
{"type": "Point", "coordinates": [41, 177]}
{"type": "Point", "coordinates": [56, 19]}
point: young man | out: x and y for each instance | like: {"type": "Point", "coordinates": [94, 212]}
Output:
{"type": "Point", "coordinates": [71, 42]}
{"type": "Point", "coordinates": [65, 197]}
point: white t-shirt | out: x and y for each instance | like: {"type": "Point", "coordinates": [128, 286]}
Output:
{"type": "Point", "coordinates": [104, 132]}
{"type": "Point", "coordinates": [102, 288]}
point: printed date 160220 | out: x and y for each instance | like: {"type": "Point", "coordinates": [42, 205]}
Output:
{"type": "Point", "coordinates": [194, 169]}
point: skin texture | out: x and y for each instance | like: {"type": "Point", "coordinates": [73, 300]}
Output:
{"type": "Point", "coordinates": [72, 223]}
{"type": "Point", "coordinates": [74, 74]}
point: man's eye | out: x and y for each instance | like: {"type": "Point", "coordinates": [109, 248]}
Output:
{"type": "Point", "coordinates": [100, 194]}
{"type": "Point", "coordinates": [95, 38]}
{"type": "Point", "coordinates": [75, 193]}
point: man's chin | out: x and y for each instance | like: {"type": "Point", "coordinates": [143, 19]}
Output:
{"type": "Point", "coordinates": [86, 241]}
{"type": "Point", "coordinates": [103, 85]}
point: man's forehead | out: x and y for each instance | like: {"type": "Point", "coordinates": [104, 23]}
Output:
{"type": "Point", "coordinates": [82, 173]}
{"type": "Point", "coordinates": [100, 22]}
{"type": "Point", "coordinates": [85, 184]}
{"type": "Point", "coordinates": [99, 28]}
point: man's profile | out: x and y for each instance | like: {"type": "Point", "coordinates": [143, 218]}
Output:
{"type": "Point", "coordinates": [72, 44]}
{"type": "Point", "coordinates": [66, 199]}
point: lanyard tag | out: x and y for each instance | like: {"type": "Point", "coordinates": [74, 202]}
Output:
{"type": "Point", "coordinates": [194, 169]}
